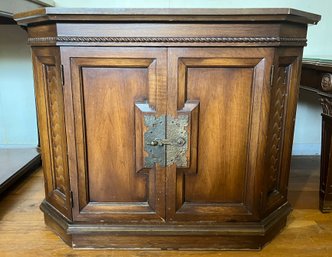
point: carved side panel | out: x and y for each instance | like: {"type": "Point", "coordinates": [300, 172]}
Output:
{"type": "Point", "coordinates": [56, 119]}
{"type": "Point", "coordinates": [277, 116]}
{"type": "Point", "coordinates": [51, 121]}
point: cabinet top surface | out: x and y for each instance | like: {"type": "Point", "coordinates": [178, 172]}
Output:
{"type": "Point", "coordinates": [164, 15]}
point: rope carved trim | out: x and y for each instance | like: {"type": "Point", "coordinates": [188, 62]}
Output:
{"type": "Point", "coordinates": [301, 41]}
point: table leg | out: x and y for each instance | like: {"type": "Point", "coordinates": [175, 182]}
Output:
{"type": "Point", "coordinates": [325, 188]}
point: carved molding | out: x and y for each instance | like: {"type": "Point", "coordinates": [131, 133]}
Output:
{"type": "Point", "coordinates": [326, 83]}
{"type": "Point", "coordinates": [326, 103]}
{"type": "Point", "coordinates": [293, 41]}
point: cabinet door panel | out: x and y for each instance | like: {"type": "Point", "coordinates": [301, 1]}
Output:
{"type": "Point", "coordinates": [109, 94]}
{"type": "Point", "coordinates": [219, 168]}
{"type": "Point", "coordinates": [106, 84]}
{"type": "Point", "coordinates": [224, 168]}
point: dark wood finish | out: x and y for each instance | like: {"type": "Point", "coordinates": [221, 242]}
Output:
{"type": "Point", "coordinates": [238, 94]}
{"type": "Point", "coordinates": [317, 78]}
{"type": "Point", "coordinates": [15, 163]}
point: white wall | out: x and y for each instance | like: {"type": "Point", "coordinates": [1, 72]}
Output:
{"type": "Point", "coordinates": [18, 126]}
{"type": "Point", "coordinates": [307, 136]}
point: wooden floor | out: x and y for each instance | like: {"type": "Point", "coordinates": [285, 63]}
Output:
{"type": "Point", "coordinates": [308, 233]}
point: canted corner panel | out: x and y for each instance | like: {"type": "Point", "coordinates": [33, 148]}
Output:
{"type": "Point", "coordinates": [113, 184]}
{"type": "Point", "coordinates": [276, 167]}
{"type": "Point", "coordinates": [52, 131]}
{"type": "Point", "coordinates": [226, 89]}
{"type": "Point", "coordinates": [277, 109]}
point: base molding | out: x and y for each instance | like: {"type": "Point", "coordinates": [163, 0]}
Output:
{"type": "Point", "coordinates": [227, 236]}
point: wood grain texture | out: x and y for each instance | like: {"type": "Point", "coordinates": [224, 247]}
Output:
{"type": "Point", "coordinates": [111, 167]}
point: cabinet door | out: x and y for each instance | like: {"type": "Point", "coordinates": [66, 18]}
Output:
{"type": "Point", "coordinates": [224, 178]}
{"type": "Point", "coordinates": [51, 123]}
{"type": "Point", "coordinates": [110, 184]}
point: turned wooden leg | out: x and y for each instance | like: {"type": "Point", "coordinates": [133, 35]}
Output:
{"type": "Point", "coordinates": [325, 188]}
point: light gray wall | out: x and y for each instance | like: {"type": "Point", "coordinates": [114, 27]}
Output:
{"type": "Point", "coordinates": [18, 127]}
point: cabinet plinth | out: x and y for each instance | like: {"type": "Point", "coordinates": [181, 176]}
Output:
{"type": "Point", "coordinates": [166, 128]}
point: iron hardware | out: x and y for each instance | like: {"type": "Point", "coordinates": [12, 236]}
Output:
{"type": "Point", "coordinates": [161, 142]}
{"type": "Point", "coordinates": [166, 140]}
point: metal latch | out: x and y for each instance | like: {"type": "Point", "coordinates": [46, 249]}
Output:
{"type": "Point", "coordinates": [161, 142]}
{"type": "Point", "coordinates": [166, 140]}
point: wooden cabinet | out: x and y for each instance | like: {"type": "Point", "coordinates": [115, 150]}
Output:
{"type": "Point", "coordinates": [158, 132]}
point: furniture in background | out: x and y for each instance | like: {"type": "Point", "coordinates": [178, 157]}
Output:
{"type": "Point", "coordinates": [166, 128]}
{"type": "Point", "coordinates": [16, 161]}
{"type": "Point", "coordinates": [8, 8]}
{"type": "Point", "coordinates": [317, 78]}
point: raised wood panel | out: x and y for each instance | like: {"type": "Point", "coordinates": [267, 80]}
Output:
{"type": "Point", "coordinates": [219, 168]}
{"type": "Point", "coordinates": [229, 89]}
{"type": "Point", "coordinates": [106, 85]}
{"type": "Point", "coordinates": [110, 92]}
{"type": "Point", "coordinates": [50, 105]}
{"type": "Point", "coordinates": [283, 96]}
